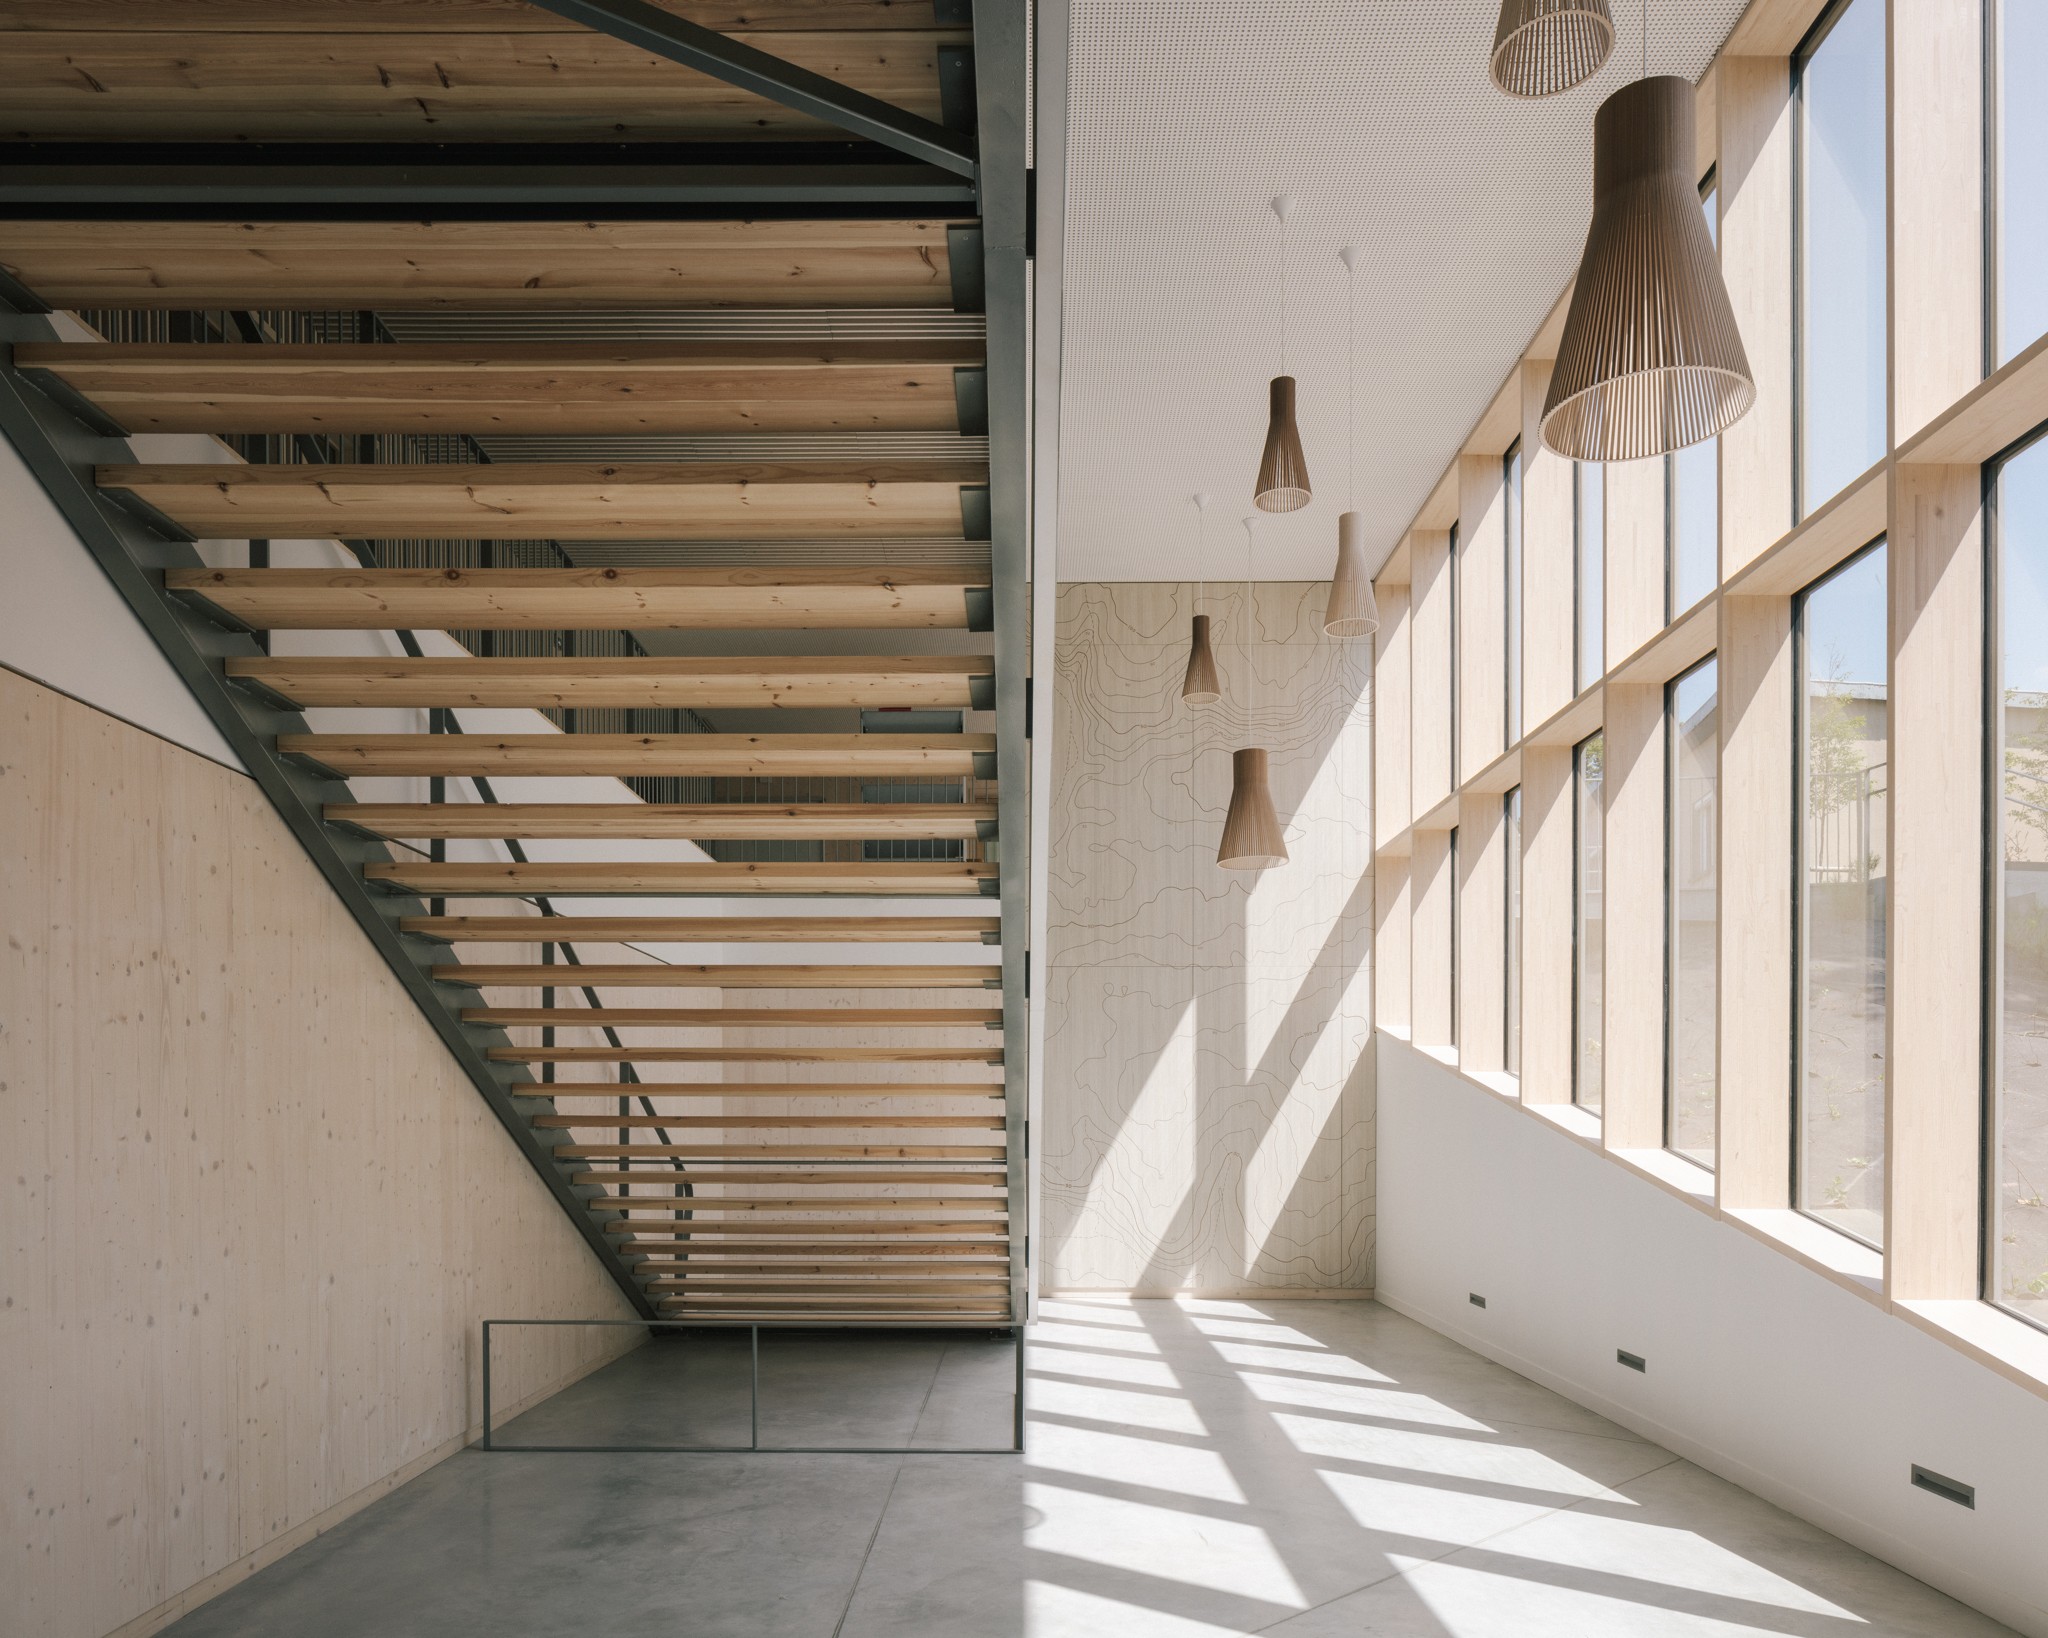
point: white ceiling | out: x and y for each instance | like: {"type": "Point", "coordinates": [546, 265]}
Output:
{"type": "Point", "coordinates": [1468, 208]}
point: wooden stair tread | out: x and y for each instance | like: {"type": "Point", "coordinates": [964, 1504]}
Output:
{"type": "Point", "coordinates": [529, 264]}
{"type": "Point", "coordinates": [990, 1247]}
{"type": "Point", "coordinates": [744, 1017]}
{"type": "Point", "coordinates": [782, 1151]}
{"type": "Point", "coordinates": [979, 1090]}
{"type": "Point", "coordinates": [906, 878]}
{"type": "Point", "coordinates": [829, 756]}
{"type": "Point", "coordinates": [981, 1205]}
{"type": "Point", "coordinates": [816, 680]}
{"type": "Point", "coordinates": [820, 1175]}
{"type": "Point", "coordinates": [746, 1055]}
{"type": "Point", "coordinates": [862, 1286]}
{"type": "Point", "coordinates": [445, 16]}
{"type": "Point", "coordinates": [779, 1228]}
{"type": "Point", "coordinates": [587, 599]}
{"type": "Point", "coordinates": [660, 975]}
{"type": "Point", "coordinates": [916, 1268]}
{"type": "Point", "coordinates": [584, 821]}
{"type": "Point", "coordinates": [672, 387]}
{"type": "Point", "coordinates": [750, 1123]}
{"type": "Point", "coordinates": [158, 83]}
{"type": "Point", "coordinates": [570, 500]}
{"type": "Point", "coordinates": [707, 929]}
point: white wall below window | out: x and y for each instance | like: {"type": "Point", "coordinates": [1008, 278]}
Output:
{"type": "Point", "coordinates": [1759, 1369]}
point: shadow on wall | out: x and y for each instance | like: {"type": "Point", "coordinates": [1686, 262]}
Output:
{"type": "Point", "coordinates": [1209, 1102]}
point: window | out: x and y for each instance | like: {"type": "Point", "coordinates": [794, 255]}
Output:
{"type": "Point", "coordinates": [1511, 1034]}
{"type": "Point", "coordinates": [2019, 204]}
{"type": "Point", "coordinates": [1840, 249]}
{"type": "Point", "coordinates": [2016, 1267]}
{"type": "Point", "coordinates": [1511, 488]}
{"type": "Point", "coordinates": [1692, 501]}
{"type": "Point", "coordinates": [1589, 552]}
{"type": "Point", "coordinates": [1692, 743]}
{"type": "Point", "coordinates": [1839, 627]}
{"type": "Point", "coordinates": [1589, 954]}
{"type": "Point", "coordinates": [1454, 935]}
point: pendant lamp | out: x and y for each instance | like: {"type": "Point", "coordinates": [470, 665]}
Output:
{"type": "Point", "coordinates": [1199, 686]}
{"type": "Point", "coordinates": [1283, 471]}
{"type": "Point", "coordinates": [1651, 359]}
{"type": "Point", "coordinates": [1543, 47]}
{"type": "Point", "coordinates": [1351, 610]}
{"type": "Point", "coordinates": [1252, 839]}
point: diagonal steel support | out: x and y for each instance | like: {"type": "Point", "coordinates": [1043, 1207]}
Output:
{"type": "Point", "coordinates": [724, 58]}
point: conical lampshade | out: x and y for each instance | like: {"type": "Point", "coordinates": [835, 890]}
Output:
{"type": "Point", "coordinates": [1283, 472]}
{"type": "Point", "coordinates": [1199, 686]}
{"type": "Point", "coordinates": [1650, 360]}
{"type": "Point", "coordinates": [1543, 47]}
{"type": "Point", "coordinates": [1352, 610]}
{"type": "Point", "coordinates": [1251, 829]}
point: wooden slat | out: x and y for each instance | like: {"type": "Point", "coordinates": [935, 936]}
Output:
{"type": "Point", "coordinates": [989, 1247]}
{"type": "Point", "coordinates": [991, 1123]}
{"type": "Point", "coordinates": [852, 1305]}
{"type": "Point", "coordinates": [754, 1089]}
{"type": "Point", "coordinates": [743, 1017]}
{"type": "Point", "coordinates": [664, 976]}
{"type": "Point", "coordinates": [583, 388]}
{"type": "Point", "coordinates": [578, 821]}
{"type": "Point", "coordinates": [596, 599]}
{"type": "Point", "coordinates": [822, 1173]}
{"type": "Point", "coordinates": [707, 929]}
{"type": "Point", "coordinates": [801, 1288]}
{"type": "Point", "coordinates": [906, 1268]}
{"type": "Point", "coordinates": [795, 1227]}
{"type": "Point", "coordinates": [482, 265]}
{"type": "Point", "coordinates": [913, 878]}
{"type": "Point", "coordinates": [983, 1209]}
{"type": "Point", "coordinates": [709, 681]}
{"type": "Point", "coordinates": [747, 1055]}
{"type": "Point", "coordinates": [573, 500]}
{"type": "Point", "coordinates": [571, 84]}
{"type": "Point", "coordinates": [438, 16]}
{"type": "Point", "coordinates": [824, 756]}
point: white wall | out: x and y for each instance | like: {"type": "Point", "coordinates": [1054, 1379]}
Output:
{"type": "Point", "coordinates": [1759, 1368]}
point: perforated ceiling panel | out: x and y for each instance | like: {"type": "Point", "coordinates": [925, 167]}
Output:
{"type": "Point", "coordinates": [1185, 117]}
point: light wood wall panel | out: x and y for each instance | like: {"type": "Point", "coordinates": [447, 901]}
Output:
{"type": "Point", "coordinates": [1482, 612]}
{"type": "Point", "coordinates": [1755, 180]}
{"type": "Point", "coordinates": [1392, 715]}
{"type": "Point", "coordinates": [1635, 556]}
{"type": "Point", "coordinates": [1934, 927]}
{"type": "Point", "coordinates": [1935, 146]}
{"type": "Point", "coordinates": [1755, 982]}
{"type": "Point", "coordinates": [1482, 951]}
{"type": "Point", "coordinates": [255, 1213]}
{"type": "Point", "coordinates": [1546, 924]}
{"type": "Point", "coordinates": [1393, 939]}
{"type": "Point", "coordinates": [1632, 1079]}
{"type": "Point", "coordinates": [1548, 570]}
{"type": "Point", "coordinates": [1429, 898]}
{"type": "Point", "coordinates": [1430, 668]}
{"type": "Point", "coordinates": [1208, 1120]}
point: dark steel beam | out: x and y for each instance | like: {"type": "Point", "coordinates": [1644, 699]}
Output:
{"type": "Point", "coordinates": [724, 58]}
{"type": "Point", "coordinates": [159, 181]}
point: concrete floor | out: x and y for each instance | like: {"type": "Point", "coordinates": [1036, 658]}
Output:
{"type": "Point", "coordinates": [1196, 1470]}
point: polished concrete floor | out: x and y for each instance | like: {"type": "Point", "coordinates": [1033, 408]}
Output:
{"type": "Point", "coordinates": [1195, 1470]}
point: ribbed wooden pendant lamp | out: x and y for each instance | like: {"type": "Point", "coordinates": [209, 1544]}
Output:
{"type": "Point", "coordinates": [1651, 359]}
{"type": "Point", "coordinates": [1351, 610]}
{"type": "Point", "coordinates": [1199, 686]}
{"type": "Point", "coordinates": [1283, 470]}
{"type": "Point", "coordinates": [1543, 47]}
{"type": "Point", "coordinates": [1252, 839]}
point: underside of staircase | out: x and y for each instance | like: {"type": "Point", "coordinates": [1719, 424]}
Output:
{"type": "Point", "coordinates": [577, 455]}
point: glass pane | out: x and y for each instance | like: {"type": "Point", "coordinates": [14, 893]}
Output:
{"type": "Point", "coordinates": [1512, 1037]}
{"type": "Point", "coordinates": [1842, 253]}
{"type": "Point", "coordinates": [1695, 501]}
{"type": "Point", "coordinates": [1513, 486]}
{"type": "Point", "coordinates": [1589, 518]}
{"type": "Point", "coordinates": [1842, 873]}
{"type": "Point", "coordinates": [1451, 682]}
{"type": "Point", "coordinates": [1691, 837]}
{"type": "Point", "coordinates": [2022, 208]}
{"type": "Point", "coordinates": [1454, 935]}
{"type": "Point", "coordinates": [2019, 1196]}
{"type": "Point", "coordinates": [1589, 953]}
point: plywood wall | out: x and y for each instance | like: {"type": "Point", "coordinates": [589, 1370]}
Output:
{"type": "Point", "coordinates": [1208, 1111]}
{"type": "Point", "coordinates": [251, 1214]}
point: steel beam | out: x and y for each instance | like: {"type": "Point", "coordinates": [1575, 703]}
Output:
{"type": "Point", "coordinates": [61, 453]}
{"type": "Point", "coordinates": [319, 180]}
{"type": "Point", "coordinates": [724, 58]}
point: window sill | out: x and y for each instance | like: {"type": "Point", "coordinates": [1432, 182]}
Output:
{"type": "Point", "coordinates": [1847, 1262]}
{"type": "Point", "coordinates": [1680, 1176]}
{"type": "Point", "coordinates": [1989, 1335]}
{"type": "Point", "coordinates": [1570, 1119]}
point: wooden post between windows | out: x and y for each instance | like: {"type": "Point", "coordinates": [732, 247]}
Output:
{"type": "Point", "coordinates": [1632, 869]}
{"type": "Point", "coordinates": [1391, 715]}
{"type": "Point", "coordinates": [1429, 897]}
{"type": "Point", "coordinates": [1546, 924]}
{"type": "Point", "coordinates": [1548, 572]}
{"type": "Point", "coordinates": [1482, 613]}
{"type": "Point", "coordinates": [1482, 934]}
{"type": "Point", "coordinates": [1430, 666]}
{"type": "Point", "coordinates": [1392, 938]}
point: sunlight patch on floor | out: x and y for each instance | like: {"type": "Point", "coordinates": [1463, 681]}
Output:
{"type": "Point", "coordinates": [1145, 1538]}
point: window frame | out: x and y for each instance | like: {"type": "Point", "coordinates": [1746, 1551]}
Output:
{"type": "Point", "coordinates": [1511, 474]}
{"type": "Point", "coordinates": [1511, 931]}
{"type": "Point", "coordinates": [1578, 919]}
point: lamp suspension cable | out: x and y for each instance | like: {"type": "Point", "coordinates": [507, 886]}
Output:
{"type": "Point", "coordinates": [1351, 609]}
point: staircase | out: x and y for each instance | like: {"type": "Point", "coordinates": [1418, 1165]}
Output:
{"type": "Point", "coordinates": [627, 613]}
